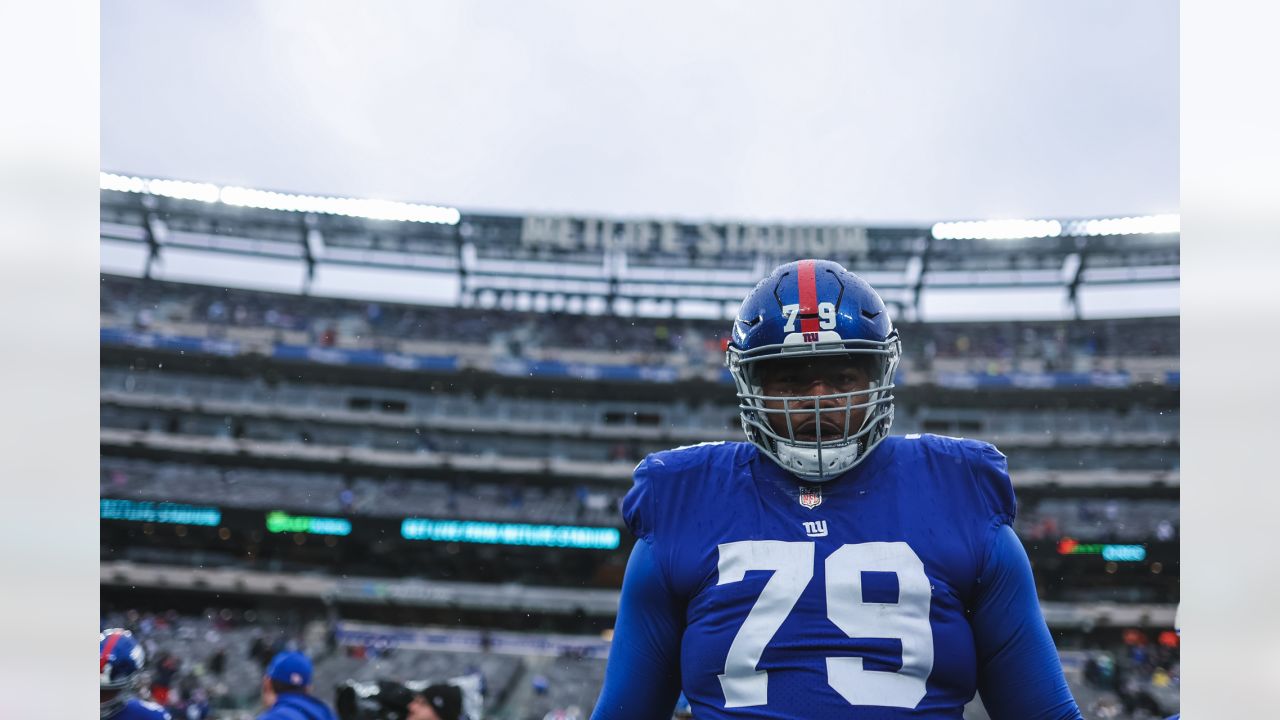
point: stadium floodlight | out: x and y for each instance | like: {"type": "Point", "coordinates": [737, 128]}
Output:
{"type": "Point", "coordinates": [996, 229]}
{"type": "Point", "coordinates": [121, 183]}
{"type": "Point", "coordinates": [347, 207]}
{"type": "Point", "coordinates": [1140, 225]}
{"type": "Point", "coordinates": [182, 190]}
{"type": "Point", "coordinates": [288, 202]}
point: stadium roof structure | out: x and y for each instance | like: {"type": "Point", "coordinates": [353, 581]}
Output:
{"type": "Point", "coordinates": [624, 266]}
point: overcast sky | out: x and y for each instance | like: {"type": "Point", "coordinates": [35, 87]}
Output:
{"type": "Point", "coordinates": [889, 111]}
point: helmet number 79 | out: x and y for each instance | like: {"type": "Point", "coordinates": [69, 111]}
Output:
{"type": "Point", "coordinates": [792, 564]}
{"type": "Point", "coordinates": [826, 316]}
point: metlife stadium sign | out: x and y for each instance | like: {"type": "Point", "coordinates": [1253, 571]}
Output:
{"type": "Point", "coordinates": [706, 239]}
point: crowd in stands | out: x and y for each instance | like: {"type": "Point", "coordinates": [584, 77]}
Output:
{"type": "Point", "coordinates": [211, 666]}
{"type": "Point", "coordinates": [327, 322]}
{"type": "Point", "coordinates": [199, 667]}
{"type": "Point", "coordinates": [1139, 679]}
{"type": "Point", "coordinates": [1107, 520]}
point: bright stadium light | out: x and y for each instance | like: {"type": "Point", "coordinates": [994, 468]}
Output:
{"type": "Point", "coordinates": [997, 229]}
{"type": "Point", "coordinates": [287, 202]}
{"type": "Point", "coordinates": [121, 183]}
{"type": "Point", "coordinates": [1140, 225]}
{"type": "Point", "coordinates": [181, 190]}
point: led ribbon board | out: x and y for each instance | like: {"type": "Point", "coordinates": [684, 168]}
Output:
{"type": "Point", "coordinates": [567, 536]}
{"type": "Point", "coordinates": [163, 512]}
{"type": "Point", "coordinates": [1110, 553]}
{"type": "Point", "coordinates": [281, 522]}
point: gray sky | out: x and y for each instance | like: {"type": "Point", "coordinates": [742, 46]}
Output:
{"type": "Point", "coordinates": [798, 111]}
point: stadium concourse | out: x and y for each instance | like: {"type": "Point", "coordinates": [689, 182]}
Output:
{"type": "Point", "coordinates": [425, 492]}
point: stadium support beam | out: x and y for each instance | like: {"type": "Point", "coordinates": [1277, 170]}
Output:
{"type": "Point", "coordinates": [154, 230]}
{"type": "Point", "coordinates": [1072, 275]}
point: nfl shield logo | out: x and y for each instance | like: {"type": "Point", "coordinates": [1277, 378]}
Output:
{"type": "Point", "coordinates": [810, 496]}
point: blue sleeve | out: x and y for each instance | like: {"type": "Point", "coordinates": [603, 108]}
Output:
{"type": "Point", "coordinates": [636, 504]}
{"type": "Point", "coordinates": [642, 679]}
{"type": "Point", "coordinates": [1019, 671]}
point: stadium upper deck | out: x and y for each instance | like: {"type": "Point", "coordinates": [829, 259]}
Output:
{"type": "Point", "coordinates": [1145, 349]}
{"type": "Point", "coordinates": [626, 264]}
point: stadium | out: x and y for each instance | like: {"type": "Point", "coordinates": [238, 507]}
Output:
{"type": "Point", "coordinates": [396, 436]}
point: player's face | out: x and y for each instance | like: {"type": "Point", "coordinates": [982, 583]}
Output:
{"type": "Point", "coordinates": [800, 377]}
{"type": "Point", "coordinates": [420, 709]}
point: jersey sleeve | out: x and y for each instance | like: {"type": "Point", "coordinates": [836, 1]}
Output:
{"type": "Point", "coordinates": [642, 678]}
{"type": "Point", "coordinates": [1019, 673]}
{"type": "Point", "coordinates": [637, 504]}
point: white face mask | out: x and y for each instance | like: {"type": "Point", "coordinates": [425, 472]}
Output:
{"type": "Point", "coordinates": [821, 459]}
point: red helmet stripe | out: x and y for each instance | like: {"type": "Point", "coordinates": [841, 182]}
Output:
{"type": "Point", "coordinates": [106, 650]}
{"type": "Point", "coordinates": [808, 297]}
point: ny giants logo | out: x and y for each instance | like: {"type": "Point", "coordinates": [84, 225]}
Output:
{"type": "Point", "coordinates": [811, 337]}
{"type": "Point", "coordinates": [815, 528]}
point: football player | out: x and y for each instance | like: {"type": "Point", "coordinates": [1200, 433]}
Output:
{"type": "Point", "coordinates": [286, 690]}
{"type": "Point", "coordinates": [824, 569]}
{"type": "Point", "coordinates": [120, 664]}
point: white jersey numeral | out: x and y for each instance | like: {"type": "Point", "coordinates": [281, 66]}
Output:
{"type": "Point", "coordinates": [908, 620]}
{"type": "Point", "coordinates": [792, 565]}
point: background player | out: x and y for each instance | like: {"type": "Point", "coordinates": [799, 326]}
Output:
{"type": "Point", "coordinates": [121, 661]}
{"type": "Point", "coordinates": [824, 565]}
{"type": "Point", "coordinates": [286, 690]}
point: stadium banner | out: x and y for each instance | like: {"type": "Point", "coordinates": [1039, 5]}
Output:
{"type": "Point", "coordinates": [158, 512]}
{"type": "Point", "coordinates": [208, 346]}
{"type": "Point", "coordinates": [365, 528]}
{"type": "Point", "coordinates": [380, 637]}
{"type": "Point", "coordinates": [643, 239]}
{"type": "Point", "coordinates": [490, 533]}
{"type": "Point", "coordinates": [342, 356]}
{"type": "Point", "coordinates": [516, 367]}
{"type": "Point", "coordinates": [281, 522]}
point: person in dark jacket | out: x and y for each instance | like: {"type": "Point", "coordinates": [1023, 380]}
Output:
{"type": "Point", "coordinates": [286, 690]}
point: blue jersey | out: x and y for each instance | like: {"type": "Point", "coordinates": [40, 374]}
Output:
{"type": "Point", "coordinates": [894, 591]}
{"type": "Point", "coordinates": [297, 706]}
{"type": "Point", "coordinates": [137, 709]}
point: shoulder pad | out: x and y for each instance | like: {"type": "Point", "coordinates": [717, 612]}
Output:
{"type": "Point", "coordinates": [656, 473]}
{"type": "Point", "coordinates": [688, 456]}
{"type": "Point", "coordinates": [945, 443]}
{"type": "Point", "coordinates": [991, 470]}
{"type": "Point", "coordinates": [988, 466]}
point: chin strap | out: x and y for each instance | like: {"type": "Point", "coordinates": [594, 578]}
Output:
{"type": "Point", "coordinates": [804, 462]}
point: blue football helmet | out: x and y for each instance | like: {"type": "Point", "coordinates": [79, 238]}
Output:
{"type": "Point", "coordinates": [814, 308]}
{"type": "Point", "coordinates": [120, 665]}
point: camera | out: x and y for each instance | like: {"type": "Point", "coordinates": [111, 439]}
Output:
{"type": "Point", "coordinates": [456, 699]}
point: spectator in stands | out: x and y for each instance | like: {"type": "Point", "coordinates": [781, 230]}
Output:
{"type": "Point", "coordinates": [162, 681]}
{"type": "Point", "coordinates": [286, 690]}
{"type": "Point", "coordinates": [218, 662]}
